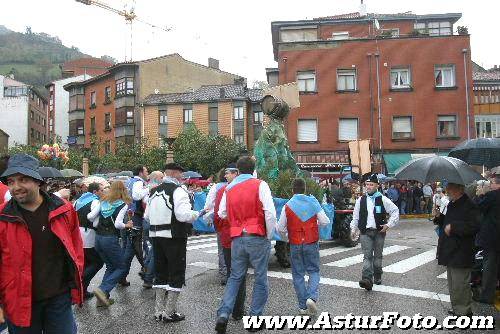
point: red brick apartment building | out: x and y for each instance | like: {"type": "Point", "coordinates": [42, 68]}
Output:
{"type": "Point", "coordinates": [403, 78]}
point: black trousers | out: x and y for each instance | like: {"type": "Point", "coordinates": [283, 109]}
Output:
{"type": "Point", "coordinates": [239, 305]}
{"type": "Point", "coordinates": [170, 261]}
{"type": "Point", "coordinates": [92, 264]}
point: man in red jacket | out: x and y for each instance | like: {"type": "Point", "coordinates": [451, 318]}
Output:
{"type": "Point", "coordinates": [41, 255]}
{"type": "Point", "coordinates": [4, 190]}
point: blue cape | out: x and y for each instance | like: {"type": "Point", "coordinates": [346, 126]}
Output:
{"type": "Point", "coordinates": [107, 209]}
{"type": "Point", "coordinates": [305, 207]}
{"type": "Point", "coordinates": [85, 199]}
{"type": "Point", "coordinates": [240, 179]}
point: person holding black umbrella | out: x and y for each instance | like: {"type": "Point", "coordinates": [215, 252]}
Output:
{"type": "Point", "coordinates": [456, 247]}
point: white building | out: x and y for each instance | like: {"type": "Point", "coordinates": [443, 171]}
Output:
{"type": "Point", "coordinates": [59, 107]}
{"type": "Point", "coordinates": [23, 113]}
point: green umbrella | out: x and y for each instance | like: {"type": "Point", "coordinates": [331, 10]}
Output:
{"type": "Point", "coordinates": [71, 173]}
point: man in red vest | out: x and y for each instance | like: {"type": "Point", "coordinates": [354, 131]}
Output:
{"type": "Point", "coordinates": [248, 205]}
{"type": "Point", "coordinates": [4, 190]}
{"type": "Point", "coordinates": [298, 223]}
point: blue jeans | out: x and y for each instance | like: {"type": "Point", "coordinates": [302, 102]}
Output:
{"type": "Point", "coordinates": [305, 259]}
{"type": "Point", "coordinates": [246, 251]}
{"type": "Point", "coordinates": [402, 207]}
{"type": "Point", "coordinates": [51, 316]}
{"type": "Point", "coordinates": [111, 253]}
{"type": "Point", "coordinates": [149, 260]}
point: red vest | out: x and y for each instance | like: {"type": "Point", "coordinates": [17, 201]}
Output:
{"type": "Point", "coordinates": [244, 209]}
{"type": "Point", "coordinates": [300, 232]}
{"type": "Point", "coordinates": [3, 191]}
{"type": "Point", "coordinates": [221, 225]}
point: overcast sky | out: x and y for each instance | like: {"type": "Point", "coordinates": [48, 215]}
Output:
{"type": "Point", "coordinates": [238, 33]}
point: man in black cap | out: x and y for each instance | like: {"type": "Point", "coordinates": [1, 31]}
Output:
{"type": "Point", "coordinates": [41, 254]}
{"type": "Point", "coordinates": [168, 211]}
{"type": "Point", "coordinates": [370, 218]}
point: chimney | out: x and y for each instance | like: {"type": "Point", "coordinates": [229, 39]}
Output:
{"type": "Point", "coordinates": [362, 9]}
{"type": "Point", "coordinates": [213, 63]}
{"type": "Point", "coordinates": [222, 93]}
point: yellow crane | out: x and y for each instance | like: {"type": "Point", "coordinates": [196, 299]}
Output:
{"type": "Point", "coordinates": [129, 16]}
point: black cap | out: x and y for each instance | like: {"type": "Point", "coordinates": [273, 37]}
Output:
{"type": "Point", "coordinates": [231, 168]}
{"type": "Point", "coordinates": [174, 166]}
{"type": "Point", "coordinates": [371, 178]}
{"type": "Point", "coordinates": [23, 164]}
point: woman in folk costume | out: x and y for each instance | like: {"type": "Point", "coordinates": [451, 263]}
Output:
{"type": "Point", "coordinates": [109, 219]}
{"type": "Point", "coordinates": [298, 223]}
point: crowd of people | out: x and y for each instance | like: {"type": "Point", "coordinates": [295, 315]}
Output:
{"type": "Point", "coordinates": [53, 243]}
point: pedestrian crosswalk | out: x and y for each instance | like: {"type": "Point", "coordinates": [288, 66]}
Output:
{"type": "Point", "coordinates": [408, 258]}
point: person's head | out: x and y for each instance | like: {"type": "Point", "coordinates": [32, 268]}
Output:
{"type": "Point", "coordinates": [372, 184]}
{"type": "Point", "coordinates": [439, 191]}
{"type": "Point", "coordinates": [96, 189]}
{"type": "Point", "coordinates": [245, 165]}
{"type": "Point", "coordinates": [222, 175]}
{"type": "Point", "coordinates": [141, 171]}
{"type": "Point", "coordinates": [117, 191]}
{"type": "Point", "coordinates": [455, 191]}
{"type": "Point", "coordinates": [156, 177]}
{"type": "Point", "coordinates": [299, 186]}
{"type": "Point", "coordinates": [174, 170]}
{"type": "Point", "coordinates": [23, 179]}
{"type": "Point", "coordinates": [231, 172]}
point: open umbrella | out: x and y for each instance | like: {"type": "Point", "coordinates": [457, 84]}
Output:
{"type": "Point", "coordinates": [125, 173]}
{"type": "Point", "coordinates": [479, 152]}
{"type": "Point", "coordinates": [95, 179]}
{"type": "Point", "coordinates": [70, 173]}
{"type": "Point", "coordinates": [49, 172]}
{"type": "Point", "coordinates": [437, 168]}
{"type": "Point", "coordinates": [191, 175]}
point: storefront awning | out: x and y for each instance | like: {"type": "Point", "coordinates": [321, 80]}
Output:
{"type": "Point", "coordinates": [395, 160]}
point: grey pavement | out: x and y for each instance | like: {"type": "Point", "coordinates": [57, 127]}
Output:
{"type": "Point", "coordinates": [413, 287]}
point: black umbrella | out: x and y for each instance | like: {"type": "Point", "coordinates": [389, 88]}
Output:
{"type": "Point", "coordinates": [437, 168]}
{"type": "Point", "coordinates": [49, 172]}
{"type": "Point", "coordinates": [479, 152]}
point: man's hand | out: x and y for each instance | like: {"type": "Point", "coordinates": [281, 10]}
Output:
{"type": "Point", "coordinates": [129, 224]}
{"type": "Point", "coordinates": [384, 228]}
{"type": "Point", "coordinates": [2, 319]}
{"type": "Point", "coordinates": [447, 230]}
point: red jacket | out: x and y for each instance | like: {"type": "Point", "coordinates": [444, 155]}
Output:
{"type": "Point", "coordinates": [222, 225]}
{"type": "Point", "coordinates": [244, 209]}
{"type": "Point", "coordinates": [300, 232]}
{"type": "Point", "coordinates": [3, 191]}
{"type": "Point", "coordinates": [15, 256]}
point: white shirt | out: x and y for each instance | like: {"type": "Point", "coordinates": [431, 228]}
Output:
{"type": "Point", "coordinates": [389, 207]}
{"type": "Point", "coordinates": [88, 235]}
{"type": "Point", "coordinates": [323, 220]}
{"type": "Point", "coordinates": [267, 204]}
{"type": "Point", "coordinates": [94, 214]}
{"type": "Point", "coordinates": [427, 190]}
{"type": "Point", "coordinates": [139, 191]}
{"type": "Point", "coordinates": [210, 201]}
{"type": "Point", "coordinates": [7, 196]}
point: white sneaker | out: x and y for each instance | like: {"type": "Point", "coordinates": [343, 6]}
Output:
{"type": "Point", "coordinates": [303, 312]}
{"type": "Point", "coordinates": [312, 308]}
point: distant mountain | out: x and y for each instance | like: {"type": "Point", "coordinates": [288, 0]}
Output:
{"type": "Point", "coordinates": [34, 58]}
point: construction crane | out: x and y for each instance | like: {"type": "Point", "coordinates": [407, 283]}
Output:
{"type": "Point", "coordinates": [129, 16]}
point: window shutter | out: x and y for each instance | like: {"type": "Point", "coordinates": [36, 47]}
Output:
{"type": "Point", "coordinates": [307, 130]}
{"type": "Point", "coordinates": [401, 124]}
{"type": "Point", "coordinates": [348, 129]}
{"type": "Point", "coordinates": [447, 118]}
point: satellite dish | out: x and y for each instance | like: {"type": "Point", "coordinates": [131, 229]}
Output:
{"type": "Point", "coordinates": [377, 25]}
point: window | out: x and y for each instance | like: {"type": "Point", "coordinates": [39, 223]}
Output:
{"type": "Point", "coordinates": [32, 114]}
{"type": "Point", "coordinates": [447, 126]}
{"type": "Point", "coordinates": [107, 147]}
{"type": "Point", "coordinates": [338, 36]}
{"type": "Point", "coordinates": [188, 115]}
{"type": "Point", "coordinates": [444, 75]}
{"type": "Point", "coordinates": [130, 116]}
{"type": "Point", "coordinates": [14, 91]}
{"type": "Point", "coordinates": [124, 86]}
{"type": "Point", "coordinates": [38, 136]}
{"type": "Point", "coordinates": [307, 130]}
{"type": "Point", "coordinates": [107, 122]}
{"type": "Point", "coordinates": [213, 120]}
{"type": "Point", "coordinates": [488, 126]}
{"type": "Point", "coordinates": [79, 130]}
{"type": "Point", "coordinates": [38, 101]}
{"type": "Point", "coordinates": [77, 102]}
{"type": "Point", "coordinates": [393, 32]}
{"type": "Point", "coordinates": [51, 125]}
{"type": "Point", "coordinates": [306, 81]}
{"type": "Point", "coordinates": [348, 129]}
{"type": "Point", "coordinates": [44, 123]}
{"type": "Point", "coordinates": [238, 124]}
{"type": "Point", "coordinates": [346, 80]}
{"type": "Point", "coordinates": [43, 138]}
{"type": "Point", "coordinates": [162, 121]}
{"type": "Point", "coordinates": [439, 28]}
{"type": "Point", "coordinates": [295, 34]}
{"type": "Point", "coordinates": [107, 95]}
{"type": "Point", "coordinates": [92, 125]}
{"type": "Point", "coordinates": [92, 99]}
{"type": "Point", "coordinates": [258, 120]}
{"type": "Point", "coordinates": [32, 133]}
{"type": "Point", "coordinates": [420, 27]}
{"type": "Point", "coordinates": [37, 119]}
{"type": "Point", "coordinates": [402, 127]}
{"type": "Point", "coordinates": [400, 78]}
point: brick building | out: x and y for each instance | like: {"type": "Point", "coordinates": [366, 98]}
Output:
{"type": "Point", "coordinates": [230, 110]}
{"type": "Point", "coordinates": [108, 105]}
{"type": "Point", "coordinates": [84, 66]}
{"type": "Point", "coordinates": [487, 101]}
{"type": "Point", "coordinates": [397, 79]}
{"type": "Point", "coordinates": [23, 113]}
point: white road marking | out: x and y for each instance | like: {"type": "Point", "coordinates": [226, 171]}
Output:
{"type": "Point", "coordinates": [411, 262]}
{"type": "Point", "coordinates": [348, 284]}
{"type": "Point", "coordinates": [215, 251]}
{"type": "Point", "coordinates": [349, 261]}
{"type": "Point", "coordinates": [209, 245]}
{"type": "Point", "coordinates": [443, 275]}
{"type": "Point", "coordinates": [199, 241]}
{"type": "Point", "coordinates": [336, 250]}
{"type": "Point", "coordinates": [202, 236]}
